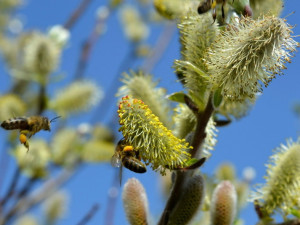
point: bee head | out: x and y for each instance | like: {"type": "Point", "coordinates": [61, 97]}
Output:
{"type": "Point", "coordinates": [48, 122]}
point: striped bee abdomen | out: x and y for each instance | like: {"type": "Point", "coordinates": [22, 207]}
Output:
{"type": "Point", "coordinates": [16, 123]}
{"type": "Point", "coordinates": [134, 164]}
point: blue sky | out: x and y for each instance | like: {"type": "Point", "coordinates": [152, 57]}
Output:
{"type": "Point", "coordinates": [247, 142]}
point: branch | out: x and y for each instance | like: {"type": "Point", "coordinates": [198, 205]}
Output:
{"type": "Point", "coordinates": [26, 203]}
{"type": "Point", "coordinates": [160, 47]}
{"type": "Point", "coordinates": [290, 222]}
{"type": "Point", "coordinates": [89, 43]}
{"type": "Point", "coordinates": [112, 199]}
{"type": "Point", "coordinates": [181, 176]}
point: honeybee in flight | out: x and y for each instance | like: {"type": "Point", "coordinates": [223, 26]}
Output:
{"type": "Point", "coordinates": [126, 156]}
{"type": "Point", "coordinates": [28, 126]}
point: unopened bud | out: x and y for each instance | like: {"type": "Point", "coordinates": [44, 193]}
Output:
{"type": "Point", "coordinates": [223, 206]}
{"type": "Point", "coordinates": [135, 202]}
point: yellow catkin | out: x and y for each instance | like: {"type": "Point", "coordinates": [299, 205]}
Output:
{"type": "Point", "coordinates": [155, 143]}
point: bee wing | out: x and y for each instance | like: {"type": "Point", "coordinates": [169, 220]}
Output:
{"type": "Point", "coordinates": [120, 174]}
{"type": "Point", "coordinates": [116, 161]}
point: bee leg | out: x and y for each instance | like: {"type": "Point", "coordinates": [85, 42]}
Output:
{"type": "Point", "coordinates": [214, 14]}
{"type": "Point", "coordinates": [26, 144]}
{"type": "Point", "coordinates": [30, 135]}
{"type": "Point", "coordinates": [223, 13]}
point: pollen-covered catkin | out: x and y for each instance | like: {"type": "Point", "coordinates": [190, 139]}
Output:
{"type": "Point", "coordinates": [141, 86]}
{"type": "Point", "coordinates": [223, 205]}
{"type": "Point", "coordinates": [155, 143]}
{"type": "Point", "coordinates": [135, 202]}
{"type": "Point", "coordinates": [189, 202]}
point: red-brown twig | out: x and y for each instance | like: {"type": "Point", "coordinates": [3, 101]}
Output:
{"type": "Point", "coordinates": [89, 43]}
{"type": "Point", "coordinates": [199, 136]}
{"type": "Point", "coordinates": [159, 48]}
{"type": "Point", "coordinates": [77, 13]}
{"type": "Point", "coordinates": [89, 215]}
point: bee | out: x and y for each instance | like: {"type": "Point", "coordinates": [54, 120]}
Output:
{"type": "Point", "coordinates": [206, 5]}
{"type": "Point", "coordinates": [126, 156]}
{"type": "Point", "coordinates": [28, 126]}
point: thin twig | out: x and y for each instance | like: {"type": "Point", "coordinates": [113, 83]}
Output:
{"type": "Point", "coordinates": [76, 14]}
{"type": "Point", "coordinates": [290, 222]}
{"type": "Point", "coordinates": [11, 188]}
{"type": "Point", "coordinates": [104, 106]}
{"type": "Point", "coordinates": [112, 200]}
{"type": "Point", "coordinates": [27, 202]}
{"type": "Point", "coordinates": [159, 48]}
{"type": "Point", "coordinates": [26, 188]}
{"type": "Point", "coordinates": [200, 134]}
{"type": "Point", "coordinates": [181, 176]}
{"type": "Point", "coordinates": [89, 215]}
{"type": "Point", "coordinates": [89, 43]}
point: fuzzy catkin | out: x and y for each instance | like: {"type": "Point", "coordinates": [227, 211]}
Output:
{"type": "Point", "coordinates": [55, 206]}
{"type": "Point", "coordinates": [135, 28]}
{"type": "Point", "coordinates": [135, 202]}
{"type": "Point", "coordinates": [76, 97]}
{"type": "Point", "coordinates": [197, 33]}
{"type": "Point", "coordinates": [11, 105]}
{"type": "Point", "coordinates": [223, 204]}
{"type": "Point", "coordinates": [281, 191]}
{"type": "Point", "coordinates": [249, 54]}
{"type": "Point", "coordinates": [34, 162]}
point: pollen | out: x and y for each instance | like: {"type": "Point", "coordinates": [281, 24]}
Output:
{"type": "Point", "coordinates": [128, 148]}
{"type": "Point", "coordinates": [22, 138]}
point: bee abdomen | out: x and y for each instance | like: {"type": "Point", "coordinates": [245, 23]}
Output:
{"type": "Point", "coordinates": [15, 123]}
{"type": "Point", "coordinates": [134, 165]}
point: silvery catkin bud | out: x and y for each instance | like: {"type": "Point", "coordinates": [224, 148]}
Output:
{"type": "Point", "coordinates": [223, 205]}
{"type": "Point", "coordinates": [135, 202]}
{"type": "Point", "coordinates": [249, 54]}
{"type": "Point", "coordinates": [190, 201]}
{"type": "Point", "coordinates": [77, 96]}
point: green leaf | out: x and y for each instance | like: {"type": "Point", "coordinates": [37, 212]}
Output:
{"type": "Point", "coordinates": [177, 97]}
{"type": "Point", "coordinates": [217, 98]}
{"type": "Point", "coordinates": [191, 162]}
{"type": "Point", "coordinates": [295, 212]}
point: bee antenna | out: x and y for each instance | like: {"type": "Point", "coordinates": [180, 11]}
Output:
{"type": "Point", "coordinates": [53, 120]}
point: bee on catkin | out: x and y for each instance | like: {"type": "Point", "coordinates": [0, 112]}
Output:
{"type": "Point", "coordinates": [28, 126]}
{"type": "Point", "coordinates": [126, 156]}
